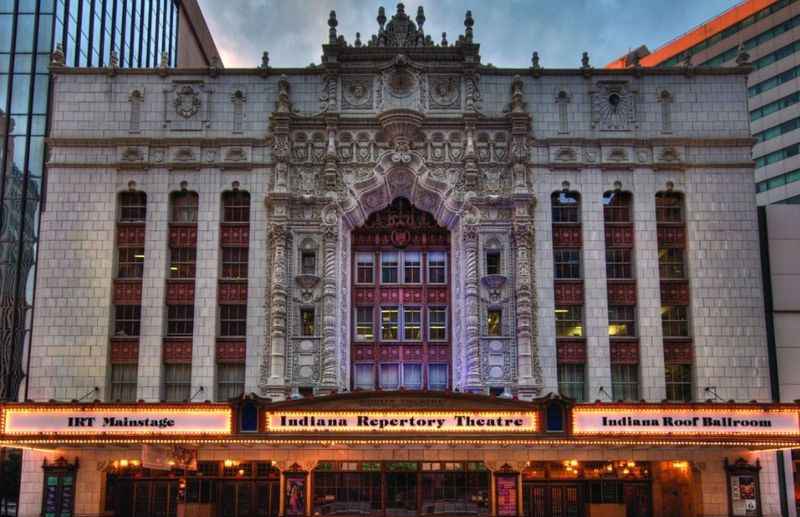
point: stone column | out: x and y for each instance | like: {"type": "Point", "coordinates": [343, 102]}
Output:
{"type": "Point", "coordinates": [471, 290]}
{"type": "Point", "coordinates": [205, 289]}
{"type": "Point", "coordinates": [530, 380]}
{"type": "Point", "coordinates": [328, 359]}
{"type": "Point", "coordinates": [276, 383]}
{"type": "Point", "coordinates": [648, 286]}
{"type": "Point", "coordinates": [156, 251]}
{"type": "Point", "coordinates": [598, 358]}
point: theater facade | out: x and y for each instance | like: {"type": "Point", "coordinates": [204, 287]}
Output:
{"type": "Point", "coordinates": [400, 282]}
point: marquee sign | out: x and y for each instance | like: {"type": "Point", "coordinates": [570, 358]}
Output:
{"type": "Point", "coordinates": [402, 422]}
{"type": "Point", "coordinates": [666, 421]}
{"type": "Point", "coordinates": [66, 420]}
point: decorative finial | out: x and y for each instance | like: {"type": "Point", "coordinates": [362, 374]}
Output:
{"type": "Point", "coordinates": [113, 62]}
{"type": "Point", "coordinates": [670, 186]}
{"type": "Point", "coordinates": [585, 60]}
{"type": "Point", "coordinates": [617, 185]}
{"type": "Point", "coordinates": [215, 66]}
{"type": "Point", "coordinates": [235, 186]}
{"type": "Point", "coordinates": [401, 9]}
{"type": "Point", "coordinates": [444, 39]}
{"type": "Point", "coordinates": [743, 57]}
{"type": "Point", "coordinates": [57, 57]}
{"type": "Point", "coordinates": [468, 23]}
{"type": "Point", "coordinates": [517, 102]}
{"type": "Point", "coordinates": [184, 186]}
{"type": "Point", "coordinates": [332, 23]}
{"type": "Point", "coordinates": [265, 60]}
{"type": "Point", "coordinates": [381, 17]}
{"type": "Point", "coordinates": [565, 186]}
{"type": "Point", "coordinates": [420, 17]}
{"type": "Point", "coordinates": [283, 104]}
{"type": "Point", "coordinates": [535, 61]}
{"type": "Point", "coordinates": [164, 60]}
{"type": "Point", "coordinates": [358, 40]}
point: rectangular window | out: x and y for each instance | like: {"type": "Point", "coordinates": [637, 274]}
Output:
{"type": "Point", "coordinates": [127, 320]}
{"type": "Point", "coordinates": [307, 322]}
{"type": "Point", "coordinates": [308, 265]}
{"type": "Point", "coordinates": [389, 267]}
{"type": "Point", "coordinates": [412, 376]}
{"type": "Point", "coordinates": [412, 265]}
{"type": "Point", "coordinates": [669, 208]}
{"type": "Point", "coordinates": [412, 324]}
{"type": "Point", "coordinates": [123, 382]}
{"type": "Point", "coordinates": [184, 208]}
{"type": "Point", "coordinates": [182, 262]}
{"type": "Point", "coordinates": [437, 267]}
{"type": "Point", "coordinates": [569, 321]}
{"type": "Point", "coordinates": [365, 268]}
{"type": "Point", "coordinates": [363, 377]}
{"type": "Point", "coordinates": [132, 207]}
{"type": "Point", "coordinates": [437, 324]}
{"type": "Point", "coordinates": [364, 326]}
{"type": "Point", "coordinates": [390, 323]}
{"type": "Point", "coordinates": [572, 381]}
{"type": "Point", "coordinates": [622, 320]}
{"type": "Point", "coordinates": [235, 263]}
{"type": "Point", "coordinates": [625, 381]}
{"type": "Point", "coordinates": [492, 262]}
{"type": "Point", "coordinates": [177, 382]}
{"type": "Point", "coordinates": [494, 322]}
{"type": "Point", "coordinates": [567, 264]}
{"type": "Point", "coordinates": [565, 208]}
{"type": "Point", "coordinates": [180, 320]}
{"type": "Point", "coordinates": [670, 263]}
{"type": "Point", "coordinates": [678, 379]}
{"type": "Point", "coordinates": [232, 320]}
{"type": "Point", "coordinates": [390, 376]}
{"type": "Point", "coordinates": [437, 377]}
{"type": "Point", "coordinates": [675, 321]}
{"type": "Point", "coordinates": [236, 207]}
{"type": "Point", "coordinates": [131, 262]}
{"type": "Point", "coordinates": [619, 264]}
{"type": "Point", "coordinates": [230, 381]}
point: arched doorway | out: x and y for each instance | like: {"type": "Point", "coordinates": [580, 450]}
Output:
{"type": "Point", "coordinates": [401, 332]}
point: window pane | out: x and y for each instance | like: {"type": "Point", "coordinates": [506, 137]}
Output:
{"type": "Point", "coordinates": [363, 376]}
{"type": "Point", "coordinates": [230, 381]}
{"type": "Point", "coordinates": [678, 382]}
{"type": "Point", "coordinates": [625, 381]}
{"type": "Point", "coordinates": [389, 323]}
{"type": "Point", "coordinates": [412, 263]}
{"type": "Point", "coordinates": [389, 266]}
{"type": "Point", "coordinates": [566, 207]}
{"type": "Point", "coordinates": [412, 376]}
{"type": "Point", "coordinates": [364, 326]}
{"type": "Point", "coordinates": [437, 267]}
{"type": "Point", "coordinates": [621, 320]}
{"type": "Point", "coordinates": [437, 324]}
{"type": "Point", "coordinates": [309, 263]}
{"type": "Point", "coordinates": [365, 268]}
{"type": "Point", "coordinates": [571, 380]}
{"type": "Point", "coordinates": [569, 321]}
{"type": "Point", "coordinates": [390, 376]}
{"type": "Point", "coordinates": [567, 263]}
{"type": "Point", "coordinates": [412, 321]}
{"type": "Point", "coordinates": [123, 382]}
{"type": "Point", "coordinates": [437, 376]}
{"type": "Point", "coordinates": [492, 262]}
{"type": "Point", "coordinates": [307, 322]}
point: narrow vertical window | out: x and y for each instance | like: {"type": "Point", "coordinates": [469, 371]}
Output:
{"type": "Point", "coordinates": [177, 382]}
{"type": "Point", "coordinates": [572, 381]}
{"type": "Point", "coordinates": [364, 325]}
{"type": "Point", "coordinates": [230, 381]}
{"type": "Point", "coordinates": [364, 376]}
{"type": "Point", "coordinates": [390, 323]}
{"type": "Point", "coordinates": [494, 322]}
{"type": "Point", "coordinates": [412, 267]}
{"type": "Point", "coordinates": [135, 99]}
{"type": "Point", "coordinates": [412, 324]}
{"type": "Point", "coordinates": [493, 262]}
{"type": "Point", "coordinates": [308, 263]}
{"type": "Point", "coordinates": [562, 100]}
{"type": "Point", "coordinates": [437, 324]}
{"type": "Point", "coordinates": [238, 99]}
{"type": "Point", "coordinates": [665, 98]}
{"type": "Point", "coordinates": [307, 322]}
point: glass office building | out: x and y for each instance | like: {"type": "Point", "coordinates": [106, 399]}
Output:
{"type": "Point", "coordinates": [137, 33]}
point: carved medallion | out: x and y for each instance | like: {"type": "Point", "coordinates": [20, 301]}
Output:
{"type": "Point", "coordinates": [401, 82]}
{"type": "Point", "coordinates": [187, 101]}
{"type": "Point", "coordinates": [445, 92]}
{"type": "Point", "coordinates": [357, 93]}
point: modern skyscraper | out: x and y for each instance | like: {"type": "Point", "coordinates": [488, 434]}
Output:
{"type": "Point", "coordinates": [764, 34]}
{"type": "Point", "coordinates": [88, 33]}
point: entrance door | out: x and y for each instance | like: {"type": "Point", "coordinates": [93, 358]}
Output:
{"type": "Point", "coordinates": [143, 497]}
{"type": "Point", "coordinates": [552, 500]}
{"type": "Point", "coordinates": [401, 494]}
{"type": "Point", "coordinates": [248, 498]}
{"type": "Point", "coordinates": [637, 499]}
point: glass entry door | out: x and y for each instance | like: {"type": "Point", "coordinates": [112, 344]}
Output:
{"type": "Point", "coordinates": [401, 494]}
{"type": "Point", "coordinates": [552, 500]}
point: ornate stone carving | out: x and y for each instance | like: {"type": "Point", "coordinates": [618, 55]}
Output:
{"type": "Point", "coordinates": [445, 92]}
{"type": "Point", "coordinates": [357, 92]}
{"type": "Point", "coordinates": [328, 97]}
{"type": "Point", "coordinates": [613, 106]}
{"type": "Point", "coordinates": [187, 101]}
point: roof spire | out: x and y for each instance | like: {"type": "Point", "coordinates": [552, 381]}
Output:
{"type": "Point", "coordinates": [332, 23]}
{"type": "Point", "coordinates": [468, 23]}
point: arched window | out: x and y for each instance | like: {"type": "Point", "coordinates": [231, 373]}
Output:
{"type": "Point", "coordinates": [235, 206]}
{"type": "Point", "coordinates": [132, 207]}
{"type": "Point", "coordinates": [184, 207]}
{"type": "Point", "coordinates": [566, 207]}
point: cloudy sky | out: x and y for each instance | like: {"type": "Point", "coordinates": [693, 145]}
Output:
{"type": "Point", "coordinates": [507, 30]}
